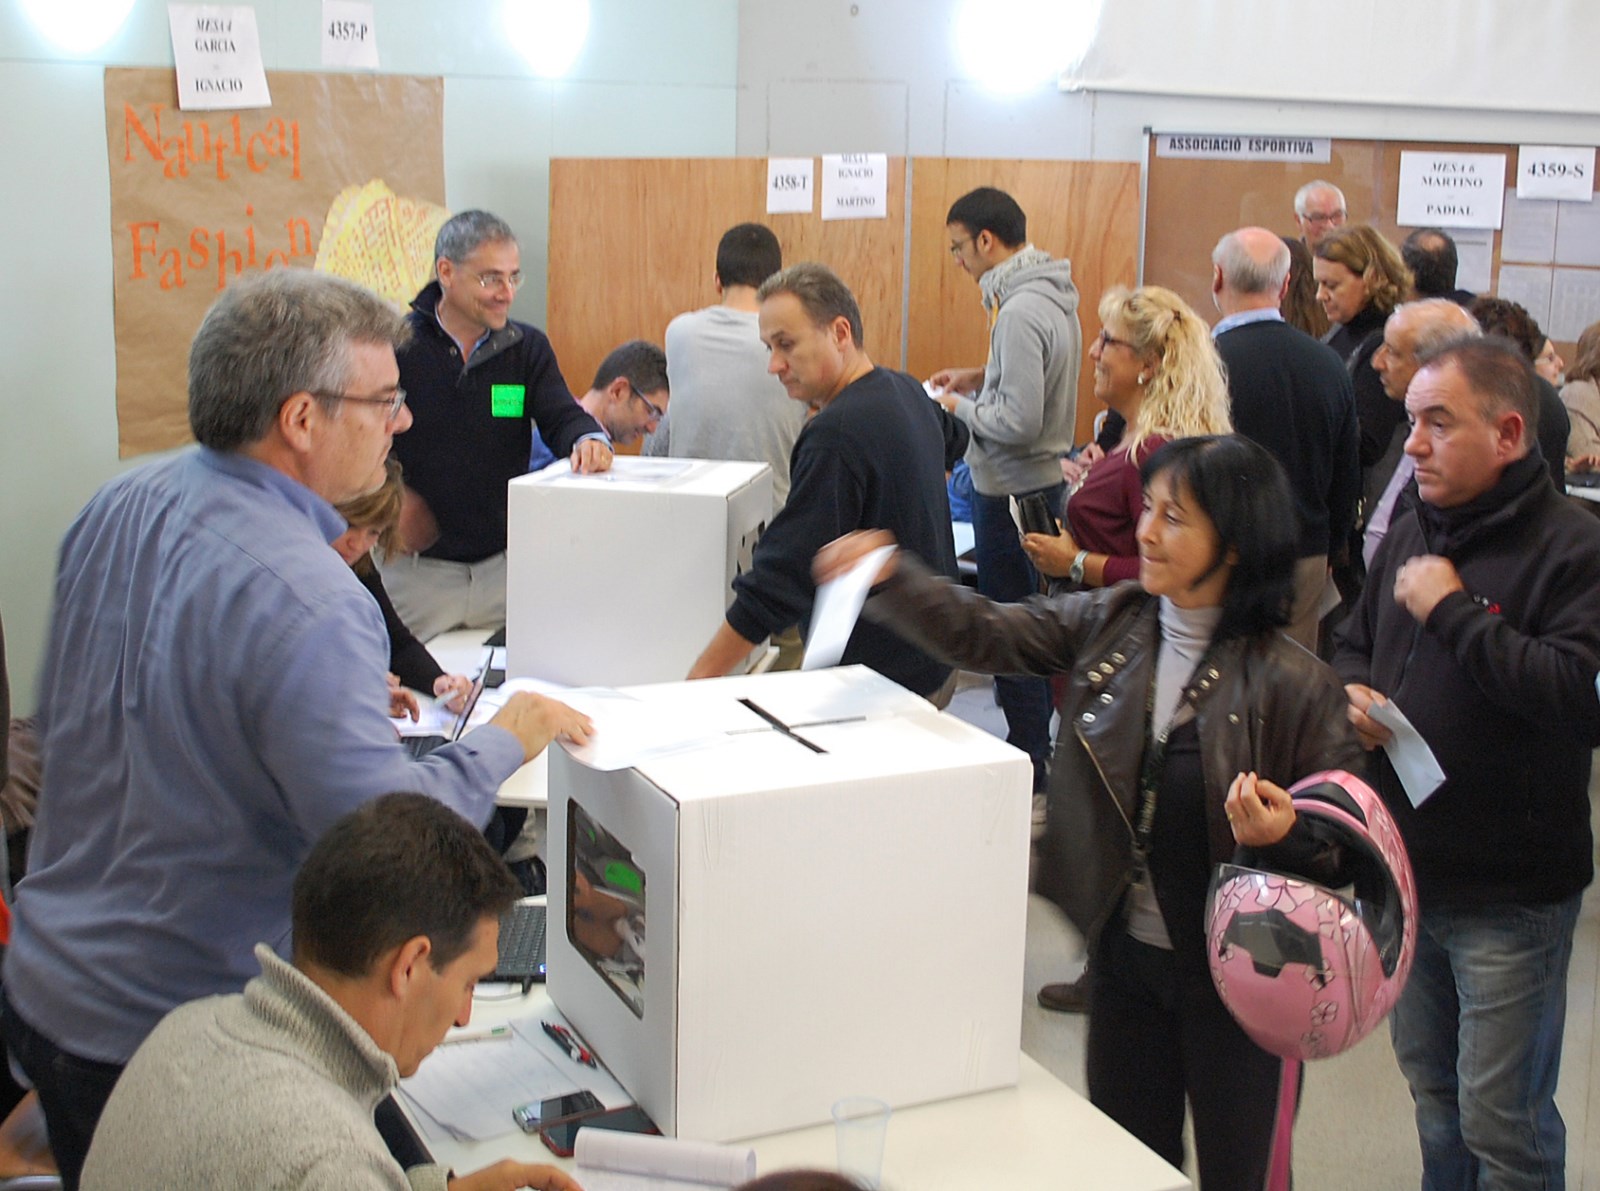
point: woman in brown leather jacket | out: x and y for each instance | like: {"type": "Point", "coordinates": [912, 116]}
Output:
{"type": "Point", "coordinates": [1187, 716]}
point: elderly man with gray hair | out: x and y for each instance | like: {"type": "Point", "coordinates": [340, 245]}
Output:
{"type": "Point", "coordinates": [212, 695]}
{"type": "Point", "coordinates": [479, 382]}
{"type": "Point", "coordinates": [1318, 210]}
{"type": "Point", "coordinates": [1292, 395]}
{"type": "Point", "coordinates": [1414, 330]}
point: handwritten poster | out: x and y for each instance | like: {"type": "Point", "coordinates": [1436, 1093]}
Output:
{"type": "Point", "coordinates": [344, 172]}
{"type": "Point", "coordinates": [1451, 189]}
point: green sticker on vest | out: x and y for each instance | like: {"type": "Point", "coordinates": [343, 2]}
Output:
{"type": "Point", "coordinates": [506, 401]}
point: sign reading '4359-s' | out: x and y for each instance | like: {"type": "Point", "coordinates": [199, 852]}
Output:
{"type": "Point", "coordinates": [1555, 172]}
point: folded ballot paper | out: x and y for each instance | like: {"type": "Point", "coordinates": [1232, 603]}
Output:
{"type": "Point", "coordinates": [609, 1161]}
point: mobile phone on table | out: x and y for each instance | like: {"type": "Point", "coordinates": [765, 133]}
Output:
{"type": "Point", "coordinates": [539, 1114]}
{"type": "Point", "coordinates": [561, 1139]}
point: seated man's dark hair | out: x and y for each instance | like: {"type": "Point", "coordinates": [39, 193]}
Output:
{"type": "Point", "coordinates": [641, 362]}
{"type": "Point", "coordinates": [1243, 490]}
{"type": "Point", "coordinates": [748, 254]}
{"type": "Point", "coordinates": [401, 866]}
{"type": "Point", "coordinates": [989, 210]}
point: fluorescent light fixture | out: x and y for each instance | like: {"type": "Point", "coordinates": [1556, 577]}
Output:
{"type": "Point", "coordinates": [1021, 45]}
{"type": "Point", "coordinates": [77, 26]}
{"type": "Point", "coordinates": [548, 33]}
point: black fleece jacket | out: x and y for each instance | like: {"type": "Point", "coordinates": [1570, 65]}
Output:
{"type": "Point", "coordinates": [1500, 681]}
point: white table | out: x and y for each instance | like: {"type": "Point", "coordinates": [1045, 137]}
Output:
{"type": "Point", "coordinates": [460, 651]}
{"type": "Point", "coordinates": [1037, 1136]}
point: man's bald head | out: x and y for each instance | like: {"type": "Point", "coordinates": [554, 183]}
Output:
{"type": "Point", "coordinates": [1250, 270]}
{"type": "Point", "coordinates": [1413, 331]}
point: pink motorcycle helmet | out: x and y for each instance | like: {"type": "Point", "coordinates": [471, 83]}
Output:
{"type": "Point", "coordinates": [1309, 969]}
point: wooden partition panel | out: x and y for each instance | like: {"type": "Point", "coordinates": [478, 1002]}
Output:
{"type": "Point", "coordinates": [634, 243]}
{"type": "Point", "coordinates": [1087, 212]}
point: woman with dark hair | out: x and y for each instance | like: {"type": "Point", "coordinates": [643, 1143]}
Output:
{"type": "Point", "coordinates": [374, 524]}
{"type": "Point", "coordinates": [1300, 307]}
{"type": "Point", "coordinates": [1500, 316]}
{"type": "Point", "coordinates": [1581, 396]}
{"type": "Point", "coordinates": [1186, 717]}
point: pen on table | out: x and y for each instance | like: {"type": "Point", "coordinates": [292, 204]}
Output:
{"type": "Point", "coordinates": [563, 1038]}
{"type": "Point", "coordinates": [480, 1034]}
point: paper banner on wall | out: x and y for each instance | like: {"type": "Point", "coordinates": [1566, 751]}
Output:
{"type": "Point", "coordinates": [789, 185]}
{"type": "Point", "coordinates": [1450, 189]}
{"type": "Point", "coordinates": [855, 186]}
{"type": "Point", "coordinates": [349, 35]}
{"type": "Point", "coordinates": [217, 51]}
{"type": "Point", "coordinates": [345, 173]}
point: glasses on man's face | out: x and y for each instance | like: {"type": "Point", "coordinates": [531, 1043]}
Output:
{"type": "Point", "coordinates": [1317, 217]}
{"type": "Point", "coordinates": [396, 399]}
{"type": "Point", "coordinates": [496, 280]}
{"type": "Point", "coordinates": [656, 412]}
{"type": "Point", "coordinates": [956, 247]}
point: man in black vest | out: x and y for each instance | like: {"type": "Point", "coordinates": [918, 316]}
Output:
{"type": "Point", "coordinates": [1292, 395]}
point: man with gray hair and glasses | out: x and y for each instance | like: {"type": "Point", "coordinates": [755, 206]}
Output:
{"type": "Point", "coordinates": [479, 381]}
{"type": "Point", "coordinates": [212, 695]}
{"type": "Point", "coordinates": [1292, 395]}
{"type": "Point", "coordinates": [1318, 209]}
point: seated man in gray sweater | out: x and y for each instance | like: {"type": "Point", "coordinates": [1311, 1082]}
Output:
{"type": "Point", "coordinates": [396, 918]}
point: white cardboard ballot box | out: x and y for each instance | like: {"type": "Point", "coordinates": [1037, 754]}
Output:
{"type": "Point", "coordinates": [622, 577]}
{"type": "Point", "coordinates": [827, 900]}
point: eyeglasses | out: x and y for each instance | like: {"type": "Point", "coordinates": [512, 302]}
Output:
{"type": "Point", "coordinates": [1318, 218]}
{"type": "Point", "coordinates": [1105, 340]}
{"type": "Point", "coordinates": [393, 402]}
{"type": "Point", "coordinates": [496, 280]}
{"type": "Point", "coordinates": [955, 248]}
{"type": "Point", "coordinates": [656, 412]}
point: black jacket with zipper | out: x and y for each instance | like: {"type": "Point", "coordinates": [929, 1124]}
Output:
{"type": "Point", "coordinates": [1263, 704]}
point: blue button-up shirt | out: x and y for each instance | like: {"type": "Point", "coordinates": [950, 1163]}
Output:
{"type": "Point", "coordinates": [212, 699]}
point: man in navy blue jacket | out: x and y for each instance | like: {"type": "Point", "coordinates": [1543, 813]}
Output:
{"type": "Point", "coordinates": [476, 381]}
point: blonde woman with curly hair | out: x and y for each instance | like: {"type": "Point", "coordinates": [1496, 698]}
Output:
{"type": "Point", "coordinates": [1361, 278]}
{"type": "Point", "coordinates": [1154, 364]}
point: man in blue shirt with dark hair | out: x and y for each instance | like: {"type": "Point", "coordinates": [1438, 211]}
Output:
{"type": "Point", "coordinates": [212, 695]}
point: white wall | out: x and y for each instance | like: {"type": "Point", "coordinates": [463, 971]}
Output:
{"type": "Point", "coordinates": [653, 80]}
{"type": "Point", "coordinates": [885, 75]}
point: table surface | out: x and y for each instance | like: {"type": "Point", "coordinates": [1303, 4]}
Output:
{"type": "Point", "coordinates": [1038, 1136]}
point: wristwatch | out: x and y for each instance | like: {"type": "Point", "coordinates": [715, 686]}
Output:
{"type": "Point", "coordinates": [1075, 572]}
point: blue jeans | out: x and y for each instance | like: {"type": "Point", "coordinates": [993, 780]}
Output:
{"type": "Point", "coordinates": [1477, 1033]}
{"type": "Point", "coordinates": [1006, 575]}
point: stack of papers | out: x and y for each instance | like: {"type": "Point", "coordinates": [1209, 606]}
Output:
{"type": "Point", "coordinates": [610, 1161]}
{"type": "Point", "coordinates": [465, 1091]}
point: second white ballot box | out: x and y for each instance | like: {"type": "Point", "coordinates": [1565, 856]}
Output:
{"type": "Point", "coordinates": [790, 888]}
{"type": "Point", "coordinates": [622, 577]}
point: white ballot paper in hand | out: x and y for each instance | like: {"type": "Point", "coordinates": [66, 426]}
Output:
{"type": "Point", "coordinates": [1414, 763]}
{"type": "Point", "coordinates": [837, 608]}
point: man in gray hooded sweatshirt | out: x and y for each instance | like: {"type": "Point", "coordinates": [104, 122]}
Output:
{"type": "Point", "coordinates": [1021, 408]}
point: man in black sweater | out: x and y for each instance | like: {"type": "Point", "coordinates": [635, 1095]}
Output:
{"type": "Point", "coordinates": [1292, 395]}
{"type": "Point", "coordinates": [1480, 622]}
{"type": "Point", "coordinates": [477, 382]}
{"type": "Point", "coordinates": [872, 456]}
